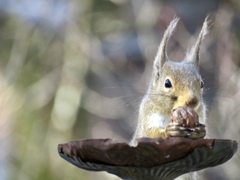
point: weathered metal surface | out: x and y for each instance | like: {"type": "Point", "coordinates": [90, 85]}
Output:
{"type": "Point", "coordinates": [150, 159]}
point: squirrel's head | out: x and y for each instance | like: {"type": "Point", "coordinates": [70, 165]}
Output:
{"type": "Point", "coordinates": [178, 83]}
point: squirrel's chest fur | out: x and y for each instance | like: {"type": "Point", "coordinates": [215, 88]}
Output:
{"type": "Point", "coordinates": [157, 120]}
{"type": "Point", "coordinates": [151, 117]}
{"type": "Point", "coordinates": [153, 114]}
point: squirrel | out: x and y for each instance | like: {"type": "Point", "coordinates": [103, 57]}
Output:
{"type": "Point", "coordinates": [173, 84]}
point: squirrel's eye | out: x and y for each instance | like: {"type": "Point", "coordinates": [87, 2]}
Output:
{"type": "Point", "coordinates": [168, 83]}
{"type": "Point", "coordinates": [202, 84]}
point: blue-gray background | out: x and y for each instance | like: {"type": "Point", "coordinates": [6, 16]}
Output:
{"type": "Point", "coordinates": [78, 69]}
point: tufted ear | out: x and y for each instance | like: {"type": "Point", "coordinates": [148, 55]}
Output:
{"type": "Point", "coordinates": [161, 56]}
{"type": "Point", "coordinates": [193, 55]}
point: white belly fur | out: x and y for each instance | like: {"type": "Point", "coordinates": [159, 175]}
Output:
{"type": "Point", "coordinates": [158, 120]}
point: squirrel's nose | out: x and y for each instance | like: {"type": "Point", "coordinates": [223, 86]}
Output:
{"type": "Point", "coordinates": [192, 102]}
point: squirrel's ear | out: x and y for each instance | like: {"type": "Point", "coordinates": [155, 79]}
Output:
{"type": "Point", "coordinates": [161, 56]}
{"type": "Point", "coordinates": [193, 55]}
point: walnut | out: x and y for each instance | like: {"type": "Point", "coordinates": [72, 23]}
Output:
{"type": "Point", "coordinates": [185, 123]}
{"type": "Point", "coordinates": [184, 116]}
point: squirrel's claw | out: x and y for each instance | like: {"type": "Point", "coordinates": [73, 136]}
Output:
{"type": "Point", "coordinates": [180, 131]}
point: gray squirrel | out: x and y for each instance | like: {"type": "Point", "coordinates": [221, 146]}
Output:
{"type": "Point", "coordinates": [173, 84]}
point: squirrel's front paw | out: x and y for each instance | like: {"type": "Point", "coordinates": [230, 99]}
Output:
{"type": "Point", "coordinates": [184, 123]}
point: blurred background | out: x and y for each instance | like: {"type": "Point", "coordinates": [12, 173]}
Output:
{"type": "Point", "coordinates": [78, 69]}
